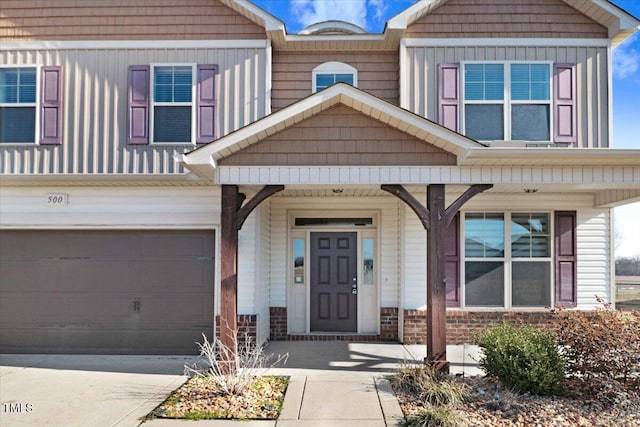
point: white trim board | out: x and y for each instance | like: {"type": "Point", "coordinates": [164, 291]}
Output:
{"type": "Point", "coordinates": [607, 176]}
{"type": "Point", "coordinates": [135, 44]}
{"type": "Point", "coordinates": [493, 42]}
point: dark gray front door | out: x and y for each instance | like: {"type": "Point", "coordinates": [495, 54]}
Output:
{"type": "Point", "coordinates": [334, 299]}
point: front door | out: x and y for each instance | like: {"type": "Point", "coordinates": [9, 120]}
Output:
{"type": "Point", "coordinates": [334, 286]}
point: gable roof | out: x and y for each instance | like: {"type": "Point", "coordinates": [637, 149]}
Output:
{"type": "Point", "coordinates": [619, 23]}
{"type": "Point", "coordinates": [202, 161]}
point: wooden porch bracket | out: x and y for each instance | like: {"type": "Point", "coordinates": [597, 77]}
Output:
{"type": "Point", "coordinates": [232, 217]}
{"type": "Point", "coordinates": [435, 219]}
{"type": "Point", "coordinates": [453, 209]}
{"type": "Point", "coordinates": [266, 192]}
{"type": "Point", "coordinates": [401, 193]}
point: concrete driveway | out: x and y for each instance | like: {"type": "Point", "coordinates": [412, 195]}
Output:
{"type": "Point", "coordinates": [73, 390]}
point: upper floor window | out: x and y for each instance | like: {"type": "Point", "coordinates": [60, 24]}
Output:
{"type": "Point", "coordinates": [324, 75]}
{"type": "Point", "coordinates": [172, 104]}
{"type": "Point", "coordinates": [510, 101]}
{"type": "Point", "coordinates": [18, 104]}
{"type": "Point", "coordinates": [29, 107]}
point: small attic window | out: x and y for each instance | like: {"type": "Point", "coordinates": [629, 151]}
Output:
{"type": "Point", "coordinates": [324, 75]}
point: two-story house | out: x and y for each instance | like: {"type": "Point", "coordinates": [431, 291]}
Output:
{"type": "Point", "coordinates": [166, 166]}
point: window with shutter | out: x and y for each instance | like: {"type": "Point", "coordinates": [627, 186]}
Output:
{"type": "Point", "coordinates": [509, 101]}
{"type": "Point", "coordinates": [172, 104]}
{"type": "Point", "coordinates": [21, 105]}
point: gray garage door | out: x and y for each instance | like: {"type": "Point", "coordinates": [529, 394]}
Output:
{"type": "Point", "coordinates": [119, 292]}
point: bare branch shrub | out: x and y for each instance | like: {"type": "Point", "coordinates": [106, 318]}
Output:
{"type": "Point", "coordinates": [233, 371]}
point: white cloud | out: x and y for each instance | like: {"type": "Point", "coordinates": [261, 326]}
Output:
{"type": "Point", "coordinates": [626, 59]}
{"type": "Point", "coordinates": [378, 9]}
{"type": "Point", "coordinates": [308, 12]}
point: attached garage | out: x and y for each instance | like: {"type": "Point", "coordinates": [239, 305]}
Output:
{"type": "Point", "coordinates": [106, 292]}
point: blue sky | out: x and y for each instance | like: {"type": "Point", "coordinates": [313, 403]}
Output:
{"type": "Point", "coordinates": [372, 15]}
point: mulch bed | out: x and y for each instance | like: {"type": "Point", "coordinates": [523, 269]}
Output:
{"type": "Point", "coordinates": [201, 398]}
{"type": "Point", "coordinates": [491, 404]}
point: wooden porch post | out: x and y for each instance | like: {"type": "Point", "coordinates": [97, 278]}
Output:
{"type": "Point", "coordinates": [229, 267]}
{"type": "Point", "coordinates": [436, 286]}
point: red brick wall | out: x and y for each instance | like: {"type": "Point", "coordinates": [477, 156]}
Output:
{"type": "Point", "coordinates": [388, 324]}
{"type": "Point", "coordinates": [277, 323]}
{"type": "Point", "coordinates": [247, 327]}
{"type": "Point", "coordinates": [462, 325]}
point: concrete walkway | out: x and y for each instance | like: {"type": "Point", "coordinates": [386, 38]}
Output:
{"type": "Point", "coordinates": [332, 384]}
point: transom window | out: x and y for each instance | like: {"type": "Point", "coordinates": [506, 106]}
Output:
{"type": "Point", "coordinates": [173, 106]}
{"type": "Point", "coordinates": [507, 272]}
{"type": "Point", "coordinates": [507, 101]}
{"type": "Point", "coordinates": [326, 74]}
{"type": "Point", "coordinates": [18, 104]}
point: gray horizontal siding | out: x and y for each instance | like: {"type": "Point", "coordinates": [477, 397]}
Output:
{"type": "Point", "coordinates": [421, 77]}
{"type": "Point", "coordinates": [95, 108]}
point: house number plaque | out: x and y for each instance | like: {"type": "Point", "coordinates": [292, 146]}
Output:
{"type": "Point", "coordinates": [57, 200]}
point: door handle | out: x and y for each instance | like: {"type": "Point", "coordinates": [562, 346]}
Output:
{"type": "Point", "coordinates": [354, 287]}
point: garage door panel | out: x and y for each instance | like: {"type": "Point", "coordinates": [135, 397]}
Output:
{"type": "Point", "coordinates": [116, 291]}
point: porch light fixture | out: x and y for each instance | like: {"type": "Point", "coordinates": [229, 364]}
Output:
{"type": "Point", "coordinates": [530, 190]}
{"type": "Point", "coordinates": [337, 190]}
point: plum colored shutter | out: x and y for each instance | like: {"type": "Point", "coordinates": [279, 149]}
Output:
{"type": "Point", "coordinates": [51, 105]}
{"type": "Point", "coordinates": [564, 83]}
{"type": "Point", "coordinates": [138, 108]}
{"type": "Point", "coordinates": [565, 258]}
{"type": "Point", "coordinates": [206, 104]}
{"type": "Point", "coordinates": [452, 262]}
{"type": "Point", "coordinates": [449, 96]}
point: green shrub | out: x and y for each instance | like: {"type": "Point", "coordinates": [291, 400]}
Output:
{"type": "Point", "coordinates": [601, 345]}
{"type": "Point", "coordinates": [522, 358]}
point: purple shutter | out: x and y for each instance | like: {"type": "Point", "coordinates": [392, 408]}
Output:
{"type": "Point", "coordinates": [206, 104]}
{"type": "Point", "coordinates": [452, 262]}
{"type": "Point", "coordinates": [51, 105]}
{"type": "Point", "coordinates": [565, 258]}
{"type": "Point", "coordinates": [564, 83]}
{"type": "Point", "coordinates": [449, 96]}
{"type": "Point", "coordinates": [138, 108]}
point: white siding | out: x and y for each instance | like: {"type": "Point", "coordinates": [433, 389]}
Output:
{"type": "Point", "coordinates": [263, 278]}
{"type": "Point", "coordinates": [594, 256]}
{"type": "Point", "coordinates": [111, 207]}
{"type": "Point", "coordinates": [414, 261]}
{"type": "Point", "coordinates": [248, 264]}
{"type": "Point", "coordinates": [420, 77]}
{"type": "Point", "coordinates": [95, 107]}
{"type": "Point", "coordinates": [593, 244]}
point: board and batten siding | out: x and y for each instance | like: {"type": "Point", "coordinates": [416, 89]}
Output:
{"type": "Point", "coordinates": [124, 20]}
{"type": "Point", "coordinates": [292, 74]}
{"type": "Point", "coordinates": [98, 207]}
{"type": "Point", "coordinates": [94, 131]}
{"type": "Point", "coordinates": [388, 244]}
{"type": "Point", "coordinates": [593, 248]}
{"type": "Point", "coordinates": [420, 79]}
{"type": "Point", "coordinates": [506, 18]}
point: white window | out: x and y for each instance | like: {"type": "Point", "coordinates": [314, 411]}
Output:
{"type": "Point", "coordinates": [507, 101]}
{"type": "Point", "coordinates": [18, 104]}
{"type": "Point", "coordinates": [173, 109]}
{"type": "Point", "coordinates": [513, 272]}
{"type": "Point", "coordinates": [326, 74]}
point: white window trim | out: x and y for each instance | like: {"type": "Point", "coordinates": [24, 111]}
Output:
{"type": "Point", "coordinates": [507, 261]}
{"type": "Point", "coordinates": [506, 101]}
{"type": "Point", "coordinates": [36, 105]}
{"type": "Point", "coordinates": [153, 104]}
{"type": "Point", "coordinates": [333, 67]}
